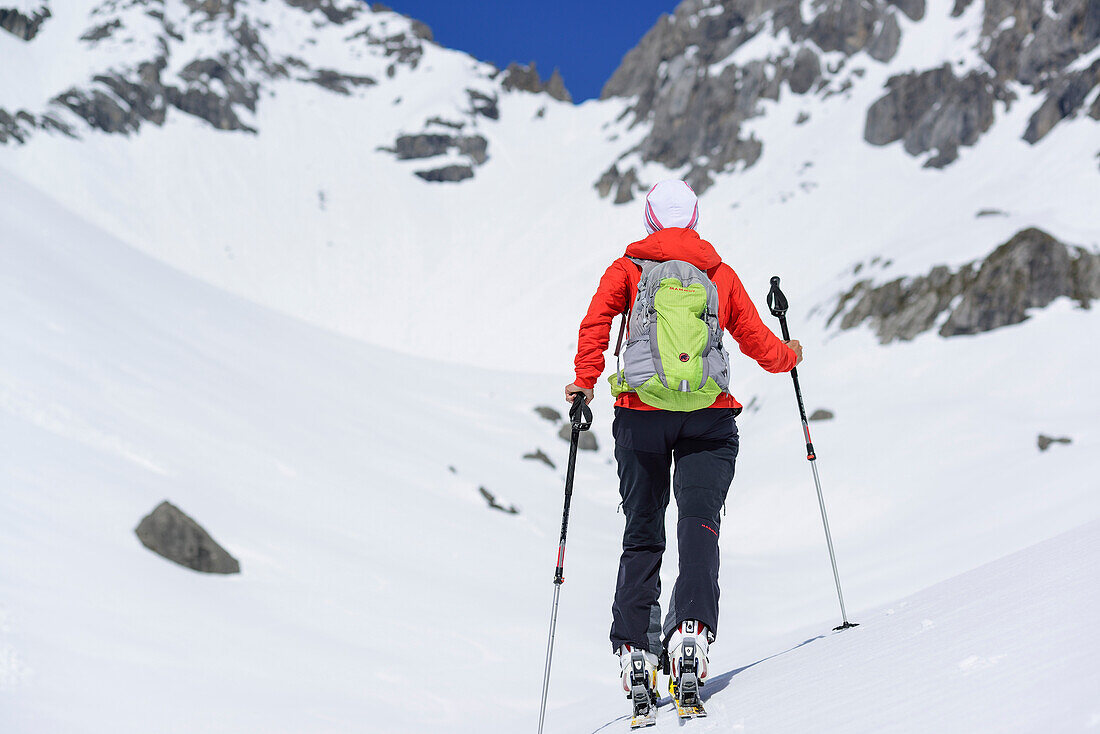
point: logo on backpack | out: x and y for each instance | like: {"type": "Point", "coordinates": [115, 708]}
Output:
{"type": "Point", "coordinates": [673, 357]}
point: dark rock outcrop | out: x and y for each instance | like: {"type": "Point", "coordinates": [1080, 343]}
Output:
{"type": "Point", "coordinates": [934, 111]}
{"type": "Point", "coordinates": [538, 455]}
{"type": "Point", "coordinates": [822, 414]}
{"type": "Point", "coordinates": [1066, 97]}
{"type": "Point", "coordinates": [624, 184]}
{"type": "Point", "coordinates": [547, 413]}
{"type": "Point", "coordinates": [555, 87]}
{"type": "Point", "coordinates": [338, 82]}
{"type": "Point", "coordinates": [21, 25]}
{"type": "Point", "coordinates": [627, 184]}
{"type": "Point", "coordinates": [406, 49]}
{"type": "Point", "coordinates": [17, 127]}
{"type": "Point", "coordinates": [1045, 441]}
{"type": "Point", "coordinates": [885, 43]}
{"type": "Point", "coordinates": [449, 142]}
{"type": "Point", "coordinates": [902, 308]}
{"type": "Point", "coordinates": [491, 499]}
{"type": "Point", "coordinates": [913, 9]}
{"type": "Point", "coordinates": [169, 532]}
{"type": "Point", "coordinates": [447, 174]}
{"type": "Point", "coordinates": [432, 145]}
{"type": "Point", "coordinates": [1023, 41]}
{"type": "Point", "coordinates": [427, 145]}
{"type": "Point", "coordinates": [10, 127]}
{"type": "Point", "coordinates": [222, 87]}
{"type": "Point", "coordinates": [586, 442]}
{"type": "Point", "coordinates": [527, 79]}
{"type": "Point", "coordinates": [483, 104]}
{"type": "Point", "coordinates": [102, 31]}
{"type": "Point", "coordinates": [1029, 271]}
{"type": "Point", "coordinates": [806, 70]}
{"type": "Point", "coordinates": [682, 85]}
{"type": "Point", "coordinates": [696, 101]}
{"type": "Point", "coordinates": [332, 13]}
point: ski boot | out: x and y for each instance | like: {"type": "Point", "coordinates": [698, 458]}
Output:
{"type": "Point", "coordinates": [687, 656]}
{"type": "Point", "coordinates": [639, 671]}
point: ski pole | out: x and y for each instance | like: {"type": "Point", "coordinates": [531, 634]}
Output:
{"type": "Point", "coordinates": [580, 415]}
{"type": "Point", "coordinates": [777, 302]}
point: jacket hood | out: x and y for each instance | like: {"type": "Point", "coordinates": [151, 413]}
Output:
{"type": "Point", "coordinates": [676, 243]}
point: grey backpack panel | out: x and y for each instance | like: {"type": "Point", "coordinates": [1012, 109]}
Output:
{"type": "Point", "coordinates": [641, 356]}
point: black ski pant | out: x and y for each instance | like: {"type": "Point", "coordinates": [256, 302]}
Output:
{"type": "Point", "coordinates": [704, 445]}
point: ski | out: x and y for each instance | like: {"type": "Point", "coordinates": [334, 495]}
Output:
{"type": "Point", "coordinates": [690, 711]}
{"type": "Point", "coordinates": [642, 721]}
{"type": "Point", "coordinates": [689, 706]}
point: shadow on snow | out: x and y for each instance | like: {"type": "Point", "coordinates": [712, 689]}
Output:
{"type": "Point", "coordinates": [717, 683]}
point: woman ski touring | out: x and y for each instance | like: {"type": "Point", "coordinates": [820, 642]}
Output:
{"type": "Point", "coordinates": [673, 413]}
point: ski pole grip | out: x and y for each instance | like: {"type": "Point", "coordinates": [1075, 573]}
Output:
{"type": "Point", "coordinates": [777, 302]}
{"type": "Point", "coordinates": [580, 415]}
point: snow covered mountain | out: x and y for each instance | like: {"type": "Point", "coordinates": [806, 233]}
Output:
{"type": "Point", "coordinates": [283, 149]}
{"type": "Point", "coordinates": [306, 273]}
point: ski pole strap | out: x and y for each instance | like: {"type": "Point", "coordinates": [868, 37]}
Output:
{"type": "Point", "coordinates": [622, 330]}
{"type": "Point", "coordinates": [580, 415]}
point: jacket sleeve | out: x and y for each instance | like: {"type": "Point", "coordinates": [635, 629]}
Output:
{"type": "Point", "coordinates": [754, 338]}
{"type": "Point", "coordinates": [609, 301]}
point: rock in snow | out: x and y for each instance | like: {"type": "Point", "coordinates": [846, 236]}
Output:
{"type": "Point", "coordinates": [24, 23]}
{"type": "Point", "coordinates": [491, 499]}
{"type": "Point", "coordinates": [1045, 441]}
{"type": "Point", "coordinates": [526, 78]}
{"type": "Point", "coordinates": [547, 413]}
{"type": "Point", "coordinates": [539, 455]}
{"type": "Point", "coordinates": [169, 532]}
{"type": "Point", "coordinates": [587, 441]}
{"type": "Point", "coordinates": [1029, 271]}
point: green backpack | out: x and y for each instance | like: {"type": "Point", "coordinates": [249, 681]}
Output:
{"type": "Point", "coordinates": [673, 359]}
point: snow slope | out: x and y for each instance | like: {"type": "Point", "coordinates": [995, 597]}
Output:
{"type": "Point", "coordinates": [1008, 647]}
{"type": "Point", "coordinates": [365, 559]}
{"type": "Point", "coordinates": [320, 462]}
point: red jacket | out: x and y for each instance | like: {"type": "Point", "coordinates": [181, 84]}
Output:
{"type": "Point", "coordinates": [617, 290]}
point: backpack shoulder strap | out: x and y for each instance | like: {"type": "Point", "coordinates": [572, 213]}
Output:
{"type": "Point", "coordinates": [645, 266]}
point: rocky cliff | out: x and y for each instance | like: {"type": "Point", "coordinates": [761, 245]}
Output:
{"type": "Point", "coordinates": [160, 70]}
{"type": "Point", "coordinates": [25, 20]}
{"type": "Point", "coordinates": [1028, 272]}
{"type": "Point", "coordinates": [215, 60]}
{"type": "Point", "coordinates": [701, 73]}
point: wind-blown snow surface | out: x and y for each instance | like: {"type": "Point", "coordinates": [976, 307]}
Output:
{"type": "Point", "coordinates": [323, 470]}
{"type": "Point", "coordinates": [322, 464]}
{"type": "Point", "coordinates": [1008, 647]}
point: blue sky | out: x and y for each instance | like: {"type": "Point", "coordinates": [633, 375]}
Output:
{"type": "Point", "coordinates": [586, 40]}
